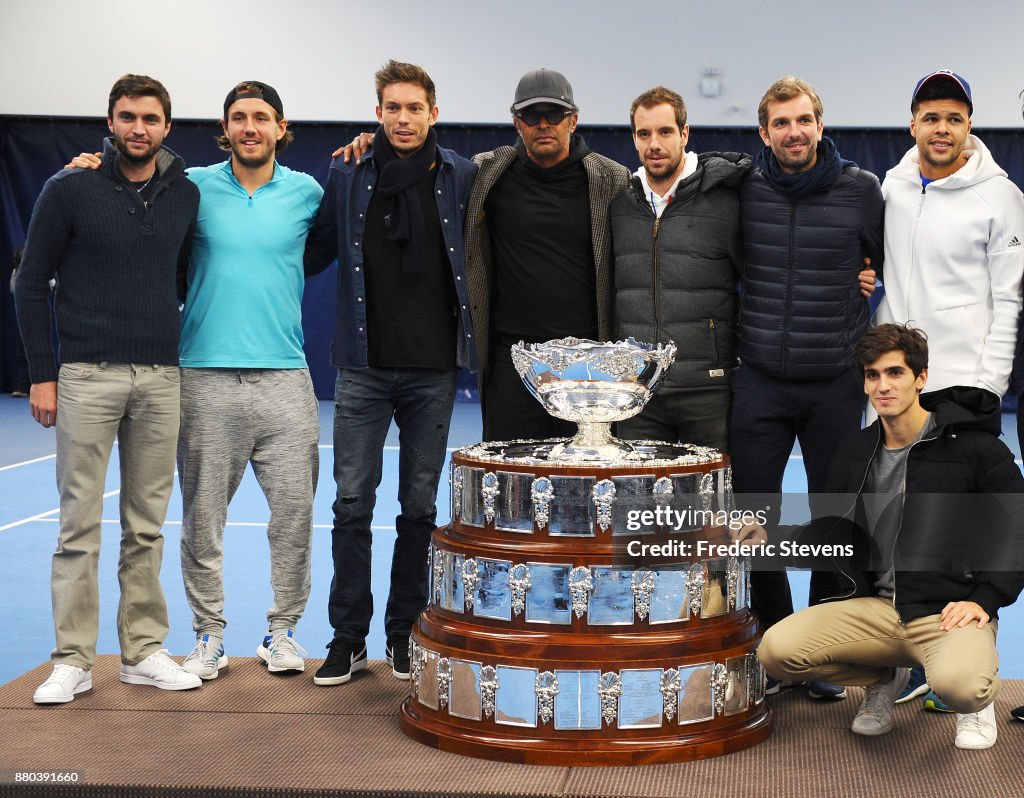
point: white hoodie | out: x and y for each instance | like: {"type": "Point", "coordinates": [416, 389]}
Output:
{"type": "Point", "coordinates": [954, 257]}
{"type": "Point", "coordinates": [659, 203]}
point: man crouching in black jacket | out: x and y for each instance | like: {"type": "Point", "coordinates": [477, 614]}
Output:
{"type": "Point", "coordinates": [938, 497]}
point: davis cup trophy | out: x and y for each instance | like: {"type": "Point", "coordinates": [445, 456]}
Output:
{"type": "Point", "coordinates": [583, 608]}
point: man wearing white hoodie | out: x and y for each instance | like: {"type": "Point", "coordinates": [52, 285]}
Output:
{"type": "Point", "coordinates": [954, 242]}
{"type": "Point", "coordinates": [677, 254]}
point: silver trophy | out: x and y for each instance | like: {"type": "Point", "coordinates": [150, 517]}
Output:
{"type": "Point", "coordinates": [593, 384]}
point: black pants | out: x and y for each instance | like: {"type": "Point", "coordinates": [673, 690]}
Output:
{"type": "Point", "coordinates": [698, 416]}
{"type": "Point", "coordinates": [768, 416]}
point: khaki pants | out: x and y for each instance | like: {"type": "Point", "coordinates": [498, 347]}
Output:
{"type": "Point", "coordinates": [137, 405]}
{"type": "Point", "coordinates": [855, 642]}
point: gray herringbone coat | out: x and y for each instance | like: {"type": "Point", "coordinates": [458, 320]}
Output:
{"type": "Point", "coordinates": [605, 180]}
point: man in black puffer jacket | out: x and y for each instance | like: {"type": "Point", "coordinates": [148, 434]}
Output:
{"type": "Point", "coordinates": [677, 252]}
{"type": "Point", "coordinates": [810, 221]}
{"type": "Point", "coordinates": [939, 497]}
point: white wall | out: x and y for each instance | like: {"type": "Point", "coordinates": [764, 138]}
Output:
{"type": "Point", "coordinates": [59, 57]}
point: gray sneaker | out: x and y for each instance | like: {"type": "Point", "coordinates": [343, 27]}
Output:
{"type": "Point", "coordinates": [207, 658]}
{"type": "Point", "coordinates": [874, 716]}
{"type": "Point", "coordinates": [281, 652]}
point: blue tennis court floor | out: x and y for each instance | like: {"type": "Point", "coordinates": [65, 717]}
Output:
{"type": "Point", "coordinates": [28, 533]}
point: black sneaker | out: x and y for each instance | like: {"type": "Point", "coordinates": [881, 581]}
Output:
{"type": "Point", "coordinates": [344, 657]}
{"type": "Point", "coordinates": [397, 654]}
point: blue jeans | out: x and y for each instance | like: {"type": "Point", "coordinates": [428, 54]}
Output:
{"type": "Point", "coordinates": [365, 401]}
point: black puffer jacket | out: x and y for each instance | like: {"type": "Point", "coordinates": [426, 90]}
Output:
{"type": "Point", "coordinates": [801, 308]}
{"type": "Point", "coordinates": [959, 535]}
{"type": "Point", "coordinates": [675, 277]}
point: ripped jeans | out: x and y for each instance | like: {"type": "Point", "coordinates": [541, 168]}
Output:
{"type": "Point", "coordinates": [365, 401]}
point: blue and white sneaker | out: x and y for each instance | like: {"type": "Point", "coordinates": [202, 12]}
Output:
{"type": "Point", "coordinates": [825, 691]}
{"type": "Point", "coordinates": [280, 651]}
{"type": "Point", "coordinates": [207, 658]}
{"type": "Point", "coordinates": [918, 685]}
{"type": "Point", "coordinates": [933, 703]}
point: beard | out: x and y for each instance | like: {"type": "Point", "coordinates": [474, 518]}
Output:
{"type": "Point", "coordinates": [136, 157]}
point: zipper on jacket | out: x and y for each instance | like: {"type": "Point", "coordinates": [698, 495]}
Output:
{"type": "Point", "coordinates": [714, 342]}
{"type": "Point", "coordinates": [789, 291]}
{"type": "Point", "coordinates": [654, 282]}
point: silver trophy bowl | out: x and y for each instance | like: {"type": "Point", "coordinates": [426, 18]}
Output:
{"type": "Point", "coordinates": [593, 384]}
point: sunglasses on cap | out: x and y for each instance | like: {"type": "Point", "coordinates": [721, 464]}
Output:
{"type": "Point", "coordinates": [532, 116]}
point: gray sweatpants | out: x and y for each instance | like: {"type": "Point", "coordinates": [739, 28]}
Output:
{"type": "Point", "coordinates": [229, 418]}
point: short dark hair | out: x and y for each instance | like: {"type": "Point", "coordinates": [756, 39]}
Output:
{"type": "Point", "coordinates": [785, 89]}
{"type": "Point", "coordinates": [399, 72]}
{"type": "Point", "coordinates": [222, 139]}
{"type": "Point", "coordinates": [659, 95]}
{"type": "Point", "coordinates": [885, 338]}
{"type": "Point", "coordinates": [941, 89]}
{"type": "Point", "coordinates": [139, 86]}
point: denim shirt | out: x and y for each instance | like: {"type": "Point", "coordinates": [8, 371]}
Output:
{"type": "Point", "coordinates": [338, 233]}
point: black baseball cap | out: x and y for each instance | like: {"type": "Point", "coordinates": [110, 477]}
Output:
{"type": "Point", "coordinates": [543, 86]}
{"type": "Point", "coordinates": [261, 92]}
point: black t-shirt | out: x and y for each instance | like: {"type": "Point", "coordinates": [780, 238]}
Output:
{"type": "Point", "coordinates": [544, 281]}
{"type": "Point", "coordinates": [411, 317]}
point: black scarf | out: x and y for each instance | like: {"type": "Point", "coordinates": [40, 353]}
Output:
{"type": "Point", "coordinates": [820, 177]}
{"type": "Point", "coordinates": [397, 180]}
{"type": "Point", "coordinates": [577, 150]}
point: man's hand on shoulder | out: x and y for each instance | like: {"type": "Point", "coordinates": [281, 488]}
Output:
{"type": "Point", "coordinates": [85, 160]}
{"type": "Point", "coordinates": [359, 147]}
{"type": "Point", "coordinates": [957, 614]}
{"type": "Point", "coordinates": [42, 402]}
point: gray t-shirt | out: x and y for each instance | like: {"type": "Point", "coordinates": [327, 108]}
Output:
{"type": "Point", "coordinates": [883, 504]}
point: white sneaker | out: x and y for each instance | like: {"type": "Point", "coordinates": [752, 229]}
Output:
{"type": "Point", "coordinates": [159, 670]}
{"type": "Point", "coordinates": [280, 651]}
{"type": "Point", "coordinates": [63, 684]}
{"type": "Point", "coordinates": [874, 716]}
{"type": "Point", "coordinates": [207, 658]}
{"type": "Point", "coordinates": [976, 731]}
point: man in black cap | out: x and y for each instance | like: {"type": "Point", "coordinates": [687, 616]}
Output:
{"type": "Point", "coordinates": [538, 249]}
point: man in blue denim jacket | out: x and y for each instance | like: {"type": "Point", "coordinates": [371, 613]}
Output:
{"type": "Point", "coordinates": [395, 223]}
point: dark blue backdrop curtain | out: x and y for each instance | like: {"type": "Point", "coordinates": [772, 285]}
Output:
{"type": "Point", "coordinates": [33, 148]}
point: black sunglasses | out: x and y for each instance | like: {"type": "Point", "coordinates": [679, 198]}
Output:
{"type": "Point", "coordinates": [532, 116]}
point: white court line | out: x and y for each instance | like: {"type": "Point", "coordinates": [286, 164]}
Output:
{"type": "Point", "coordinates": [46, 516]}
{"type": "Point", "coordinates": [390, 448]}
{"type": "Point", "coordinates": [28, 462]}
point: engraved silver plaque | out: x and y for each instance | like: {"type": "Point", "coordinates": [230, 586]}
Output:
{"type": "Point", "coordinates": [465, 699]}
{"type": "Point", "coordinates": [642, 585]}
{"type": "Point", "coordinates": [514, 508]}
{"type": "Point", "coordinates": [755, 673]}
{"type": "Point", "coordinates": [416, 659]}
{"type": "Point", "coordinates": [604, 496]}
{"type": "Point", "coordinates": [696, 702]}
{"type": "Point", "coordinates": [518, 584]}
{"type": "Point", "coordinates": [444, 680]}
{"type": "Point", "coordinates": [572, 510]}
{"type": "Point", "coordinates": [541, 492]}
{"type": "Point", "coordinates": [452, 596]}
{"type": "Point", "coordinates": [640, 703]}
{"type": "Point", "coordinates": [437, 570]}
{"type": "Point", "coordinates": [548, 599]}
{"type": "Point", "coordinates": [632, 494]}
{"type": "Point", "coordinates": [489, 489]}
{"type": "Point", "coordinates": [515, 702]}
{"type": "Point", "coordinates": [669, 687]}
{"type": "Point", "coordinates": [732, 580]}
{"type": "Point", "coordinates": [714, 601]}
{"type": "Point", "coordinates": [695, 587]}
{"type": "Point", "coordinates": [578, 704]}
{"type": "Point", "coordinates": [427, 693]}
{"type": "Point", "coordinates": [609, 688]}
{"type": "Point", "coordinates": [546, 688]}
{"type": "Point", "coordinates": [470, 577]}
{"type": "Point", "coordinates": [488, 688]}
{"type": "Point", "coordinates": [684, 501]}
{"type": "Point", "coordinates": [719, 681]}
{"type": "Point", "coordinates": [737, 691]}
{"type": "Point", "coordinates": [493, 596]}
{"type": "Point", "coordinates": [472, 496]}
{"type": "Point", "coordinates": [581, 583]}
{"type": "Point", "coordinates": [707, 492]}
{"type": "Point", "coordinates": [611, 603]}
{"type": "Point", "coordinates": [670, 601]}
